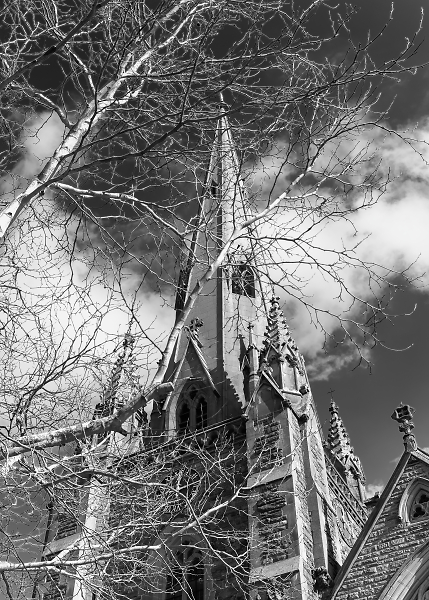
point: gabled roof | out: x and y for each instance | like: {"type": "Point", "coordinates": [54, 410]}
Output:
{"type": "Point", "coordinates": [195, 346]}
{"type": "Point", "coordinates": [374, 517]}
{"type": "Point", "coordinates": [203, 362]}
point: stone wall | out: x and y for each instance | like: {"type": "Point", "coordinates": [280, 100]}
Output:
{"type": "Point", "coordinates": [389, 545]}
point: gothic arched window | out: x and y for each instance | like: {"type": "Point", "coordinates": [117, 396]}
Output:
{"type": "Point", "coordinates": [184, 418]}
{"type": "Point", "coordinates": [201, 414]}
{"type": "Point", "coordinates": [185, 580]}
{"type": "Point", "coordinates": [192, 410]}
{"type": "Point", "coordinates": [414, 503]}
{"type": "Point", "coordinates": [420, 506]}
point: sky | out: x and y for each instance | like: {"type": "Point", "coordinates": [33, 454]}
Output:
{"type": "Point", "coordinates": [367, 397]}
{"type": "Point", "coordinates": [397, 230]}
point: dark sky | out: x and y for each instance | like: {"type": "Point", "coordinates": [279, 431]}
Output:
{"type": "Point", "coordinates": [367, 399]}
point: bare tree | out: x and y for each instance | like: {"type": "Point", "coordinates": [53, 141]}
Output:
{"type": "Point", "coordinates": [109, 112]}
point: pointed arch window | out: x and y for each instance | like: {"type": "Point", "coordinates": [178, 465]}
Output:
{"type": "Point", "coordinates": [420, 506]}
{"type": "Point", "coordinates": [184, 418]}
{"type": "Point", "coordinates": [201, 414]}
{"type": "Point", "coordinates": [185, 580]}
{"type": "Point", "coordinates": [414, 503]}
{"type": "Point", "coordinates": [192, 410]}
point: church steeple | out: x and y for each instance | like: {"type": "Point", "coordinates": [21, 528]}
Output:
{"type": "Point", "coordinates": [229, 302]}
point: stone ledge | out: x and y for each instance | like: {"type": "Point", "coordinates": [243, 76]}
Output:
{"type": "Point", "coordinates": [288, 565]}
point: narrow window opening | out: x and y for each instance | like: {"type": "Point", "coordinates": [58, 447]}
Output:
{"type": "Point", "coordinates": [192, 410]}
{"type": "Point", "coordinates": [184, 418]}
{"type": "Point", "coordinates": [214, 188]}
{"type": "Point", "coordinates": [201, 414]}
{"type": "Point", "coordinates": [196, 579]}
{"type": "Point", "coordinates": [243, 280]}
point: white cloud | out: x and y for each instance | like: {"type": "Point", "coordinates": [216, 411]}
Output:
{"type": "Point", "coordinates": [392, 233]}
{"type": "Point", "coordinates": [63, 306]}
{"type": "Point", "coordinates": [374, 488]}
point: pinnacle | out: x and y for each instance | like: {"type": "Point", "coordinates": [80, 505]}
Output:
{"type": "Point", "coordinates": [277, 332]}
{"type": "Point", "coordinates": [338, 438]}
{"type": "Point", "coordinates": [110, 394]}
{"type": "Point", "coordinates": [339, 441]}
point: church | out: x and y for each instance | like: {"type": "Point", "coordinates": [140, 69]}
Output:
{"type": "Point", "coordinates": [311, 533]}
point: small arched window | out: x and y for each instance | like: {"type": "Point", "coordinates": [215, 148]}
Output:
{"type": "Point", "coordinates": [185, 580]}
{"type": "Point", "coordinates": [414, 503]}
{"type": "Point", "coordinates": [192, 410]}
{"type": "Point", "coordinates": [420, 506]}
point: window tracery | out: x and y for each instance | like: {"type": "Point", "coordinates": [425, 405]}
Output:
{"type": "Point", "coordinates": [420, 507]}
{"type": "Point", "coordinates": [192, 410]}
{"type": "Point", "coordinates": [414, 502]}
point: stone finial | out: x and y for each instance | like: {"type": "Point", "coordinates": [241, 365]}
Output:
{"type": "Point", "coordinates": [404, 415]}
{"type": "Point", "coordinates": [124, 355]}
{"type": "Point", "coordinates": [252, 343]}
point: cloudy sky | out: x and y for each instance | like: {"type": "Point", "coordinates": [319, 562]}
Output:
{"type": "Point", "coordinates": [399, 233]}
{"type": "Point", "coordinates": [396, 232]}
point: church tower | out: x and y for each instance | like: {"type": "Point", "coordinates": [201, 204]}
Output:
{"type": "Point", "coordinates": [239, 378]}
{"type": "Point", "coordinates": [209, 368]}
{"type": "Point", "coordinates": [236, 365]}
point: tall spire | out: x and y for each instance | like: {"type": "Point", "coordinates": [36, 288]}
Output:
{"type": "Point", "coordinates": [222, 204]}
{"type": "Point", "coordinates": [232, 298]}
